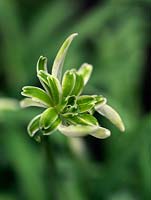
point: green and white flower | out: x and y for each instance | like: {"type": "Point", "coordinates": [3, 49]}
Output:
{"type": "Point", "coordinates": [64, 107]}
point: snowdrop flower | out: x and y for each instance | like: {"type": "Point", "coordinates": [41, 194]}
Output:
{"type": "Point", "coordinates": [64, 107]}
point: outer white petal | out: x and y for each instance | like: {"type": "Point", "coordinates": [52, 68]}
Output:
{"type": "Point", "coordinates": [78, 130]}
{"type": "Point", "coordinates": [110, 114]}
{"type": "Point", "coordinates": [27, 102]}
{"type": "Point", "coordinates": [101, 133]}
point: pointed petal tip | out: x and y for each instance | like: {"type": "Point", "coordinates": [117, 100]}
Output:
{"type": "Point", "coordinates": [122, 127]}
{"type": "Point", "coordinates": [101, 133]}
{"type": "Point", "coordinates": [74, 34]}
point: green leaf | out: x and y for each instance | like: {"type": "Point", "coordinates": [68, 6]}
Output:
{"type": "Point", "coordinates": [68, 82]}
{"type": "Point", "coordinates": [27, 102]}
{"type": "Point", "coordinates": [78, 130]}
{"type": "Point", "coordinates": [85, 103]}
{"type": "Point", "coordinates": [100, 100]}
{"type": "Point", "coordinates": [108, 112]}
{"type": "Point", "coordinates": [37, 94]}
{"type": "Point", "coordinates": [81, 119]}
{"type": "Point", "coordinates": [55, 89]}
{"type": "Point", "coordinates": [52, 127]}
{"type": "Point", "coordinates": [33, 125]}
{"type": "Point", "coordinates": [79, 85]}
{"type": "Point", "coordinates": [85, 71]}
{"type": "Point", "coordinates": [42, 64]}
{"type": "Point", "coordinates": [42, 75]}
{"type": "Point", "coordinates": [88, 119]}
{"type": "Point", "coordinates": [48, 117]}
{"type": "Point", "coordinates": [59, 60]}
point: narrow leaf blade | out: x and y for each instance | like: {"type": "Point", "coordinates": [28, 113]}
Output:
{"type": "Point", "coordinates": [42, 64]}
{"type": "Point", "coordinates": [85, 103]}
{"type": "Point", "coordinates": [79, 85]}
{"type": "Point", "coordinates": [33, 126]}
{"type": "Point", "coordinates": [68, 83]}
{"type": "Point", "coordinates": [37, 94]}
{"type": "Point", "coordinates": [85, 71]}
{"type": "Point", "coordinates": [48, 117]}
{"type": "Point", "coordinates": [53, 127]}
{"type": "Point", "coordinates": [55, 89]}
{"type": "Point", "coordinates": [59, 60]}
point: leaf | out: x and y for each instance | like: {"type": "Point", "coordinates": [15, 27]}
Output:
{"type": "Point", "coordinates": [85, 71]}
{"type": "Point", "coordinates": [42, 75]}
{"type": "Point", "coordinates": [37, 94]}
{"type": "Point", "coordinates": [55, 89]}
{"type": "Point", "coordinates": [42, 64]}
{"type": "Point", "coordinates": [78, 130]}
{"type": "Point", "coordinates": [100, 99]}
{"type": "Point", "coordinates": [68, 82]}
{"type": "Point", "coordinates": [33, 125]}
{"type": "Point", "coordinates": [79, 85]}
{"type": "Point", "coordinates": [88, 119]}
{"type": "Point", "coordinates": [48, 117]}
{"type": "Point", "coordinates": [27, 102]}
{"type": "Point", "coordinates": [108, 112]}
{"type": "Point", "coordinates": [85, 103]}
{"type": "Point", "coordinates": [81, 119]}
{"type": "Point", "coordinates": [59, 60]}
{"type": "Point", "coordinates": [52, 127]}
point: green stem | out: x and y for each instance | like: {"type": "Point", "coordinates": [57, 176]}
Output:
{"type": "Point", "coordinates": [50, 168]}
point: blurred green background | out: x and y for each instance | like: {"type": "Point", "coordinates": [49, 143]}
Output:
{"type": "Point", "coordinates": [114, 36]}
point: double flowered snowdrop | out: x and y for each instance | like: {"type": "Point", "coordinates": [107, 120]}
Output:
{"type": "Point", "coordinates": [65, 108]}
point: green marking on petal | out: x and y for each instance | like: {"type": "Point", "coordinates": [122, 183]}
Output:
{"type": "Point", "coordinates": [37, 94]}
{"type": "Point", "coordinates": [52, 127]}
{"type": "Point", "coordinates": [81, 119]}
{"type": "Point", "coordinates": [88, 119]}
{"type": "Point", "coordinates": [48, 117]}
{"type": "Point", "coordinates": [42, 64]}
{"type": "Point", "coordinates": [79, 85]}
{"type": "Point", "coordinates": [55, 89]}
{"type": "Point", "coordinates": [33, 125]}
{"type": "Point", "coordinates": [59, 60]}
{"type": "Point", "coordinates": [85, 71]}
{"type": "Point", "coordinates": [85, 103]}
{"type": "Point", "coordinates": [68, 82]}
{"type": "Point", "coordinates": [100, 100]}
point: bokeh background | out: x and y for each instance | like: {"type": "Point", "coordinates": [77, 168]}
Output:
{"type": "Point", "coordinates": [114, 36]}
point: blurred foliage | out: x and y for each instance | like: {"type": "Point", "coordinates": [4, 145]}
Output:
{"type": "Point", "coordinates": [113, 36]}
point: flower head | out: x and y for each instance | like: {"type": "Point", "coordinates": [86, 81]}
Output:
{"type": "Point", "coordinates": [64, 107]}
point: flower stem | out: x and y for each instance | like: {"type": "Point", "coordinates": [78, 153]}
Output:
{"type": "Point", "coordinates": [50, 168]}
